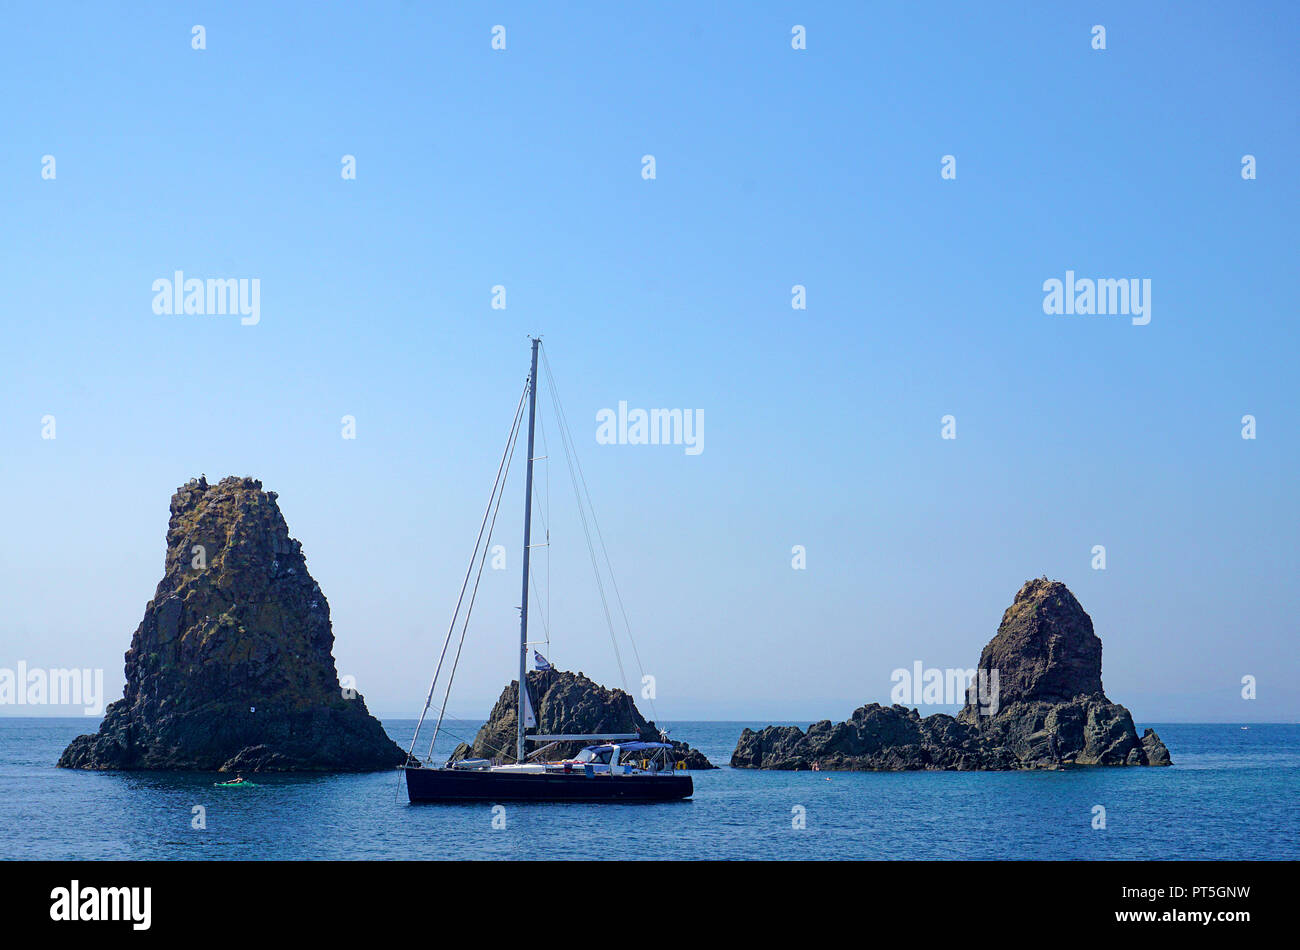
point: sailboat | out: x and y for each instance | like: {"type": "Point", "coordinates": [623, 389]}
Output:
{"type": "Point", "coordinates": [610, 767]}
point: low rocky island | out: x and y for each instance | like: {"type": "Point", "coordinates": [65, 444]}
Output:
{"type": "Point", "coordinates": [566, 703]}
{"type": "Point", "coordinates": [232, 667]}
{"type": "Point", "coordinates": [1050, 710]}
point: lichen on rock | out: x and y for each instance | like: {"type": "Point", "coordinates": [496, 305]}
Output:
{"type": "Point", "coordinates": [232, 666]}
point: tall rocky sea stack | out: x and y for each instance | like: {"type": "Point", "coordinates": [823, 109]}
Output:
{"type": "Point", "coordinates": [566, 703]}
{"type": "Point", "coordinates": [1047, 710]}
{"type": "Point", "coordinates": [232, 666]}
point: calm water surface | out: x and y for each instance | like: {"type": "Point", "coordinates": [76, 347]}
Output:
{"type": "Point", "coordinates": [1232, 793]}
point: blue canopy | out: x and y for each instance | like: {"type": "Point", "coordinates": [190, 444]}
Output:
{"type": "Point", "coordinates": [630, 746]}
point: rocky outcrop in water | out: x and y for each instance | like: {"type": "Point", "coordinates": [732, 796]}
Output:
{"type": "Point", "coordinates": [1048, 709]}
{"type": "Point", "coordinates": [1045, 649]}
{"type": "Point", "coordinates": [566, 703]}
{"type": "Point", "coordinates": [232, 666]}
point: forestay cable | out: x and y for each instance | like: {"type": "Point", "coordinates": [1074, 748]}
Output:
{"type": "Point", "coordinates": [571, 457]}
{"type": "Point", "coordinates": [496, 487]}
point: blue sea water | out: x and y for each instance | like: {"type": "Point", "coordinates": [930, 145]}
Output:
{"type": "Point", "coordinates": [1232, 793]}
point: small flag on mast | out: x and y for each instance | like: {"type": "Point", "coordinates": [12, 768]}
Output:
{"type": "Point", "coordinates": [541, 662]}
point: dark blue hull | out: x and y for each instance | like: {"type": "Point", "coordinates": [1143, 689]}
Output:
{"type": "Point", "coordinates": [458, 785]}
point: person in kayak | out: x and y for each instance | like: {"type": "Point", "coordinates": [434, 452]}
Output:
{"type": "Point", "coordinates": [238, 780]}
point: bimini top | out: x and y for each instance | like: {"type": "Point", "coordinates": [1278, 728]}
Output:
{"type": "Point", "coordinates": [628, 746]}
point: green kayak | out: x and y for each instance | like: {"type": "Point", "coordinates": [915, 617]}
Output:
{"type": "Point", "coordinates": [233, 785]}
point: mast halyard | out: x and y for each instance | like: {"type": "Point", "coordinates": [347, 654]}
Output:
{"type": "Point", "coordinates": [528, 525]}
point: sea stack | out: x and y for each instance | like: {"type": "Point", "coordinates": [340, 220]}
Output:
{"type": "Point", "coordinates": [232, 667]}
{"type": "Point", "coordinates": [566, 703]}
{"type": "Point", "coordinates": [1048, 710]}
{"type": "Point", "coordinates": [1051, 705]}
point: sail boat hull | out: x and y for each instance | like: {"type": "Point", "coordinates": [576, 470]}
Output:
{"type": "Point", "coordinates": [453, 785]}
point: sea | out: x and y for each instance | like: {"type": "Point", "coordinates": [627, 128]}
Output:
{"type": "Point", "coordinates": [1233, 792]}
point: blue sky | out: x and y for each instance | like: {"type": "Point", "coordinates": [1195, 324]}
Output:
{"type": "Point", "coordinates": [775, 167]}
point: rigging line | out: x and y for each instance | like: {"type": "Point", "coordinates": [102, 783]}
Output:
{"type": "Point", "coordinates": [497, 487]}
{"type": "Point", "coordinates": [474, 593]}
{"type": "Point", "coordinates": [570, 453]}
{"type": "Point", "coordinates": [543, 609]}
{"type": "Point", "coordinates": [545, 456]}
{"type": "Point", "coordinates": [604, 550]}
{"type": "Point", "coordinates": [514, 439]}
{"type": "Point", "coordinates": [546, 526]}
{"type": "Point", "coordinates": [566, 438]}
{"type": "Point", "coordinates": [536, 596]}
{"type": "Point", "coordinates": [544, 513]}
{"type": "Point", "coordinates": [501, 753]}
{"type": "Point", "coordinates": [468, 742]}
{"type": "Point", "coordinates": [465, 583]}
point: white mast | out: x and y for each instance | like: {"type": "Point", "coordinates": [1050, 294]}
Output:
{"type": "Point", "coordinates": [528, 526]}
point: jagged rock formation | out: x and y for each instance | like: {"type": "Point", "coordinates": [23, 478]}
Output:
{"type": "Point", "coordinates": [566, 703]}
{"type": "Point", "coordinates": [232, 666]}
{"type": "Point", "coordinates": [1045, 649]}
{"type": "Point", "coordinates": [1050, 709]}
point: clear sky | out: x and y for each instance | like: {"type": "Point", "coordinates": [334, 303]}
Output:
{"type": "Point", "coordinates": [774, 167]}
